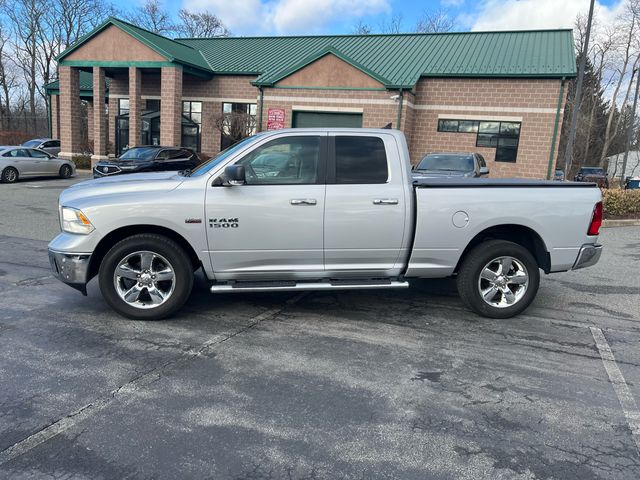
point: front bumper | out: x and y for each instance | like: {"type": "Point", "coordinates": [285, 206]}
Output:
{"type": "Point", "coordinates": [588, 256]}
{"type": "Point", "coordinates": [71, 268]}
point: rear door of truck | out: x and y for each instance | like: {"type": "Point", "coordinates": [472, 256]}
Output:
{"type": "Point", "coordinates": [367, 204]}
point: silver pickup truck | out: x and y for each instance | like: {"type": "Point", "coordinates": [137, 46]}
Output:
{"type": "Point", "coordinates": [319, 209]}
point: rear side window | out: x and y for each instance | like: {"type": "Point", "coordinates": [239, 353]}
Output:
{"type": "Point", "coordinates": [360, 160]}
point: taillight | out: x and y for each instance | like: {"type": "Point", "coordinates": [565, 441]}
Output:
{"type": "Point", "coordinates": [596, 220]}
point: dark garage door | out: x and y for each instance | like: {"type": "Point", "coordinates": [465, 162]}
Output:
{"type": "Point", "coordinates": [326, 119]}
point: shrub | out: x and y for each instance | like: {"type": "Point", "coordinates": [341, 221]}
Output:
{"type": "Point", "coordinates": [621, 203]}
{"type": "Point", "coordinates": [82, 161]}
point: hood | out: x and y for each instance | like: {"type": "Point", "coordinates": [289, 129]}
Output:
{"type": "Point", "coordinates": [439, 174]}
{"type": "Point", "coordinates": [117, 184]}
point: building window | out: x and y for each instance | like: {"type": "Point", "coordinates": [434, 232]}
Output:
{"type": "Point", "coordinates": [123, 106]}
{"type": "Point", "coordinates": [503, 136]}
{"type": "Point", "coordinates": [238, 122]}
{"type": "Point", "coordinates": [192, 111]}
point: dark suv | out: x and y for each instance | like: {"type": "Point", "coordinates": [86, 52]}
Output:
{"type": "Point", "coordinates": [594, 175]}
{"type": "Point", "coordinates": [147, 159]}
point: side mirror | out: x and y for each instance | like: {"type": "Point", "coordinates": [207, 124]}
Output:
{"type": "Point", "coordinates": [235, 175]}
{"type": "Point", "coordinates": [484, 170]}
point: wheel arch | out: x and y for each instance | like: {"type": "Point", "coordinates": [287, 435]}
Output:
{"type": "Point", "coordinates": [520, 234]}
{"type": "Point", "coordinates": [121, 233]}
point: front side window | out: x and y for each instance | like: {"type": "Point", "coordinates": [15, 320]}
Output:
{"type": "Point", "coordinates": [284, 161]}
{"type": "Point", "coordinates": [38, 154]}
{"type": "Point", "coordinates": [360, 160]}
{"type": "Point", "coordinates": [139, 153]}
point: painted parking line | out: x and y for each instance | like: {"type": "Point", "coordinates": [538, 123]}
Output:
{"type": "Point", "coordinates": [627, 402]}
{"type": "Point", "coordinates": [83, 413]}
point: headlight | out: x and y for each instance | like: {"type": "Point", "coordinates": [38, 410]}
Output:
{"type": "Point", "coordinates": [74, 221]}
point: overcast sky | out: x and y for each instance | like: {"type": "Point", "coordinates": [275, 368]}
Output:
{"type": "Point", "coordinates": [258, 17]}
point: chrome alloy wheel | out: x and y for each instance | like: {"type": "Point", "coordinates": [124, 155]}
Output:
{"type": "Point", "coordinates": [503, 282]}
{"type": "Point", "coordinates": [144, 279]}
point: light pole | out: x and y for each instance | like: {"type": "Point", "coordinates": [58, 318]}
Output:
{"type": "Point", "coordinates": [630, 128]}
{"type": "Point", "coordinates": [568, 154]}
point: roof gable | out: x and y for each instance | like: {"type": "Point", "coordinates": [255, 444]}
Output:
{"type": "Point", "coordinates": [168, 49]}
{"type": "Point", "coordinates": [327, 67]}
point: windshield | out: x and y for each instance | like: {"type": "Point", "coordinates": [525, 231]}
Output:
{"type": "Point", "coordinates": [31, 143]}
{"type": "Point", "coordinates": [139, 153]}
{"type": "Point", "coordinates": [447, 163]}
{"type": "Point", "coordinates": [592, 171]}
{"type": "Point", "coordinates": [212, 162]}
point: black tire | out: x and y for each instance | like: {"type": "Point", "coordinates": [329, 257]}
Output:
{"type": "Point", "coordinates": [161, 246]}
{"type": "Point", "coordinates": [470, 283]}
{"type": "Point", "coordinates": [65, 171]}
{"type": "Point", "coordinates": [9, 175]}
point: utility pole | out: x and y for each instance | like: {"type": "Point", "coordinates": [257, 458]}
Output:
{"type": "Point", "coordinates": [632, 122]}
{"type": "Point", "coordinates": [568, 154]}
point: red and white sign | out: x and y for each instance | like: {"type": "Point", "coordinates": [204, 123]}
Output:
{"type": "Point", "coordinates": [275, 118]}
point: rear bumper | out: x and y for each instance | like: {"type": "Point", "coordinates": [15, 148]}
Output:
{"type": "Point", "coordinates": [71, 268]}
{"type": "Point", "coordinates": [588, 256]}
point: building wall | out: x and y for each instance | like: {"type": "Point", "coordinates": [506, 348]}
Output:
{"type": "Point", "coordinates": [530, 101]}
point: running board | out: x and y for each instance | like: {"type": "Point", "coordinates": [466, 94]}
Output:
{"type": "Point", "coordinates": [285, 286]}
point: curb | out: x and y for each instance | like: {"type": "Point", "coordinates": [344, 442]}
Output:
{"type": "Point", "coordinates": [632, 222]}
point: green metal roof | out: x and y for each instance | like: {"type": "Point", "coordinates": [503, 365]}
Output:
{"type": "Point", "coordinates": [399, 59]}
{"type": "Point", "coordinates": [86, 85]}
{"type": "Point", "coordinates": [395, 60]}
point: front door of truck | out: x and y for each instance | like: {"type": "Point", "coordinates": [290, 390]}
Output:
{"type": "Point", "coordinates": [366, 212]}
{"type": "Point", "coordinates": [272, 226]}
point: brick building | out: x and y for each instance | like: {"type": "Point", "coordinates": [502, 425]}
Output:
{"type": "Point", "coordinates": [498, 93]}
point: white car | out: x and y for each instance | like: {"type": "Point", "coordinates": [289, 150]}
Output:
{"type": "Point", "coordinates": [21, 162]}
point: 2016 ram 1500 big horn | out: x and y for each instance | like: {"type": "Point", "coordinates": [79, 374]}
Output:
{"type": "Point", "coordinates": [319, 209]}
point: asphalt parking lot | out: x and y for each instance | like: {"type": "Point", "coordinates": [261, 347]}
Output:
{"type": "Point", "coordinates": [382, 385]}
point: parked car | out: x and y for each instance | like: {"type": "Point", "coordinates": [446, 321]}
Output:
{"type": "Point", "coordinates": [20, 162]}
{"type": "Point", "coordinates": [147, 159]}
{"type": "Point", "coordinates": [451, 165]}
{"type": "Point", "coordinates": [595, 175]}
{"type": "Point", "coordinates": [49, 145]}
{"type": "Point", "coordinates": [558, 175]}
{"type": "Point", "coordinates": [341, 213]}
{"type": "Point", "coordinates": [632, 183]}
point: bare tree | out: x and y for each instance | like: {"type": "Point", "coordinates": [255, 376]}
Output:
{"type": "Point", "coordinates": [26, 18]}
{"type": "Point", "coordinates": [435, 21]}
{"type": "Point", "coordinates": [392, 24]}
{"type": "Point", "coordinates": [628, 28]}
{"type": "Point", "coordinates": [235, 125]}
{"type": "Point", "coordinates": [152, 16]}
{"type": "Point", "coordinates": [200, 25]}
{"type": "Point", "coordinates": [8, 79]}
{"type": "Point", "coordinates": [362, 28]}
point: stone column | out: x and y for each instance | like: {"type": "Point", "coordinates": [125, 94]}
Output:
{"type": "Point", "coordinates": [89, 120]}
{"type": "Point", "coordinates": [55, 116]}
{"type": "Point", "coordinates": [70, 118]}
{"type": "Point", "coordinates": [113, 112]}
{"type": "Point", "coordinates": [209, 134]}
{"type": "Point", "coordinates": [99, 117]}
{"type": "Point", "coordinates": [171, 106]}
{"type": "Point", "coordinates": [135, 106]}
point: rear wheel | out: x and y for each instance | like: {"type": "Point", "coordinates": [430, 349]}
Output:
{"type": "Point", "coordinates": [146, 277]}
{"type": "Point", "coordinates": [9, 175]}
{"type": "Point", "coordinates": [65, 171]}
{"type": "Point", "coordinates": [498, 279]}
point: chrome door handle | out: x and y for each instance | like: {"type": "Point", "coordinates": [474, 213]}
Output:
{"type": "Point", "coordinates": [303, 201]}
{"type": "Point", "coordinates": [385, 201]}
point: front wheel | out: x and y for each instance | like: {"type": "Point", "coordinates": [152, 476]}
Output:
{"type": "Point", "coordinates": [498, 279]}
{"type": "Point", "coordinates": [146, 277]}
{"type": "Point", "coordinates": [9, 175]}
{"type": "Point", "coordinates": [65, 171]}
